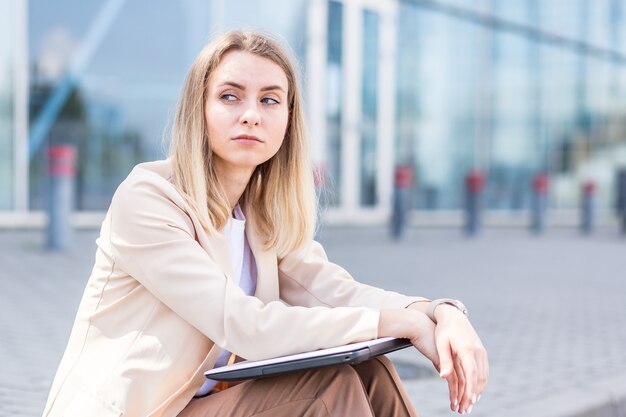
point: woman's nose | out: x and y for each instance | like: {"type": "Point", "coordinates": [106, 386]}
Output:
{"type": "Point", "coordinates": [250, 116]}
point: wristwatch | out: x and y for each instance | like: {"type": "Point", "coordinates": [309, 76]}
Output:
{"type": "Point", "coordinates": [430, 311]}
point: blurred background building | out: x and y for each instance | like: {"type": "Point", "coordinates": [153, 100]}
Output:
{"type": "Point", "coordinates": [510, 87]}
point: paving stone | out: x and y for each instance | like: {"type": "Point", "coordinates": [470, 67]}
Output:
{"type": "Point", "coordinates": [550, 309]}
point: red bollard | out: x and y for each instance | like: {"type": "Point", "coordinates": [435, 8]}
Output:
{"type": "Point", "coordinates": [403, 181]}
{"type": "Point", "coordinates": [540, 183]}
{"type": "Point", "coordinates": [474, 184]}
{"type": "Point", "coordinates": [403, 176]}
{"type": "Point", "coordinates": [539, 203]}
{"type": "Point", "coordinates": [475, 181]}
{"type": "Point", "coordinates": [587, 207]}
{"type": "Point", "coordinates": [62, 172]}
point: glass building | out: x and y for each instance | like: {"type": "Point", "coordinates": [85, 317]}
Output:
{"type": "Point", "coordinates": [510, 87]}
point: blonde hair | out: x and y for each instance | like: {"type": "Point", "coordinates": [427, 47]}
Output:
{"type": "Point", "coordinates": [280, 196]}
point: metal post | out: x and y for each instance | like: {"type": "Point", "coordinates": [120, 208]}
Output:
{"type": "Point", "coordinates": [587, 208]}
{"type": "Point", "coordinates": [474, 184]}
{"type": "Point", "coordinates": [621, 198]}
{"type": "Point", "coordinates": [401, 200]}
{"type": "Point", "coordinates": [539, 203]}
{"type": "Point", "coordinates": [62, 173]}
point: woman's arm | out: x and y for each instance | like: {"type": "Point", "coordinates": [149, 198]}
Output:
{"type": "Point", "coordinates": [153, 240]}
{"type": "Point", "coordinates": [308, 278]}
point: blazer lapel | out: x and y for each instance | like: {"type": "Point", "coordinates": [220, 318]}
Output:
{"type": "Point", "coordinates": [216, 245]}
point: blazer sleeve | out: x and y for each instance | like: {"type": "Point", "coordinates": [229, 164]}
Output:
{"type": "Point", "coordinates": [152, 240]}
{"type": "Point", "coordinates": [308, 278]}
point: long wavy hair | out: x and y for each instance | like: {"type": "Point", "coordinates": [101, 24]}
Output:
{"type": "Point", "coordinates": [280, 195]}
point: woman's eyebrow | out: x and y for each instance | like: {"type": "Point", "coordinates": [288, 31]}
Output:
{"type": "Point", "coordinates": [242, 87]}
{"type": "Point", "coordinates": [232, 84]}
{"type": "Point", "coordinates": [273, 87]}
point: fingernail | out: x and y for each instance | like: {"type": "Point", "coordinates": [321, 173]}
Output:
{"type": "Point", "coordinates": [474, 399]}
{"type": "Point", "coordinates": [456, 402]}
{"type": "Point", "coordinates": [469, 410]}
{"type": "Point", "coordinates": [478, 400]}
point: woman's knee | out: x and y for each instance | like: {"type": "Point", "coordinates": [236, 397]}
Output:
{"type": "Point", "coordinates": [342, 392]}
{"type": "Point", "coordinates": [340, 374]}
{"type": "Point", "coordinates": [380, 364]}
{"type": "Point", "coordinates": [311, 383]}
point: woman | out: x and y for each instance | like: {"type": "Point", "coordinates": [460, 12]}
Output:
{"type": "Point", "coordinates": [211, 252]}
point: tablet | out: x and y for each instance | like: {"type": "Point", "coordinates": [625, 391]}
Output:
{"type": "Point", "coordinates": [349, 354]}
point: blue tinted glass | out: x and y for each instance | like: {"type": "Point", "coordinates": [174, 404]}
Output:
{"type": "Point", "coordinates": [369, 108]}
{"type": "Point", "coordinates": [6, 103]}
{"type": "Point", "coordinates": [130, 60]}
{"type": "Point", "coordinates": [334, 90]}
{"type": "Point", "coordinates": [511, 102]}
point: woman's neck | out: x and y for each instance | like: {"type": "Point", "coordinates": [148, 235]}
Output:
{"type": "Point", "coordinates": [234, 183]}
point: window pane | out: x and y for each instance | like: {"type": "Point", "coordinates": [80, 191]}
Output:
{"type": "Point", "coordinates": [369, 109]}
{"type": "Point", "coordinates": [7, 52]}
{"type": "Point", "coordinates": [512, 103]}
{"type": "Point", "coordinates": [334, 100]}
{"type": "Point", "coordinates": [118, 108]}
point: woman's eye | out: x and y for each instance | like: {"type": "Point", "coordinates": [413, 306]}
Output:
{"type": "Point", "coordinates": [228, 97]}
{"type": "Point", "coordinates": [269, 100]}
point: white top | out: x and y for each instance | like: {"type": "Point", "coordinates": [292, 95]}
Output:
{"type": "Point", "coordinates": [244, 271]}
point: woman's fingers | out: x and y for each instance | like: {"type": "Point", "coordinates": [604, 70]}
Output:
{"type": "Point", "coordinates": [450, 372]}
{"type": "Point", "coordinates": [453, 389]}
{"type": "Point", "coordinates": [461, 385]}
{"type": "Point", "coordinates": [469, 369]}
{"type": "Point", "coordinates": [483, 371]}
{"type": "Point", "coordinates": [445, 357]}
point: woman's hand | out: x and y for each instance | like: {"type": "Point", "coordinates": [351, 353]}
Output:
{"type": "Point", "coordinates": [413, 325]}
{"type": "Point", "coordinates": [451, 345]}
{"type": "Point", "coordinates": [462, 358]}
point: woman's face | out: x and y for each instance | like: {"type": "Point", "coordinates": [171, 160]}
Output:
{"type": "Point", "coordinates": [246, 111]}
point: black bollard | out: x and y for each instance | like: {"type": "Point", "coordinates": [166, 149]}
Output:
{"type": "Point", "coordinates": [62, 172]}
{"type": "Point", "coordinates": [401, 200]}
{"type": "Point", "coordinates": [474, 184]}
{"type": "Point", "coordinates": [539, 203]}
{"type": "Point", "coordinates": [587, 208]}
{"type": "Point", "coordinates": [621, 198]}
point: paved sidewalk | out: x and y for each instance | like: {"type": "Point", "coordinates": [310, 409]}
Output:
{"type": "Point", "coordinates": [551, 311]}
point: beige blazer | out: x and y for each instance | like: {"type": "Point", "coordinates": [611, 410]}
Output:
{"type": "Point", "coordinates": [161, 300]}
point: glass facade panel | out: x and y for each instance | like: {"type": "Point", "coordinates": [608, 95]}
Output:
{"type": "Point", "coordinates": [334, 88]}
{"type": "Point", "coordinates": [130, 63]}
{"type": "Point", "coordinates": [435, 103]}
{"type": "Point", "coordinates": [7, 111]}
{"type": "Point", "coordinates": [514, 154]}
{"type": "Point", "coordinates": [472, 91]}
{"type": "Point", "coordinates": [513, 104]}
{"type": "Point", "coordinates": [369, 96]}
{"type": "Point", "coordinates": [285, 18]}
{"type": "Point", "coordinates": [407, 82]}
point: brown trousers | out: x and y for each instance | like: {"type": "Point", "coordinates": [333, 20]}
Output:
{"type": "Point", "coordinates": [372, 388]}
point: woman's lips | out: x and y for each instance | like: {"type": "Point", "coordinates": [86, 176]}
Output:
{"type": "Point", "coordinates": [247, 139]}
